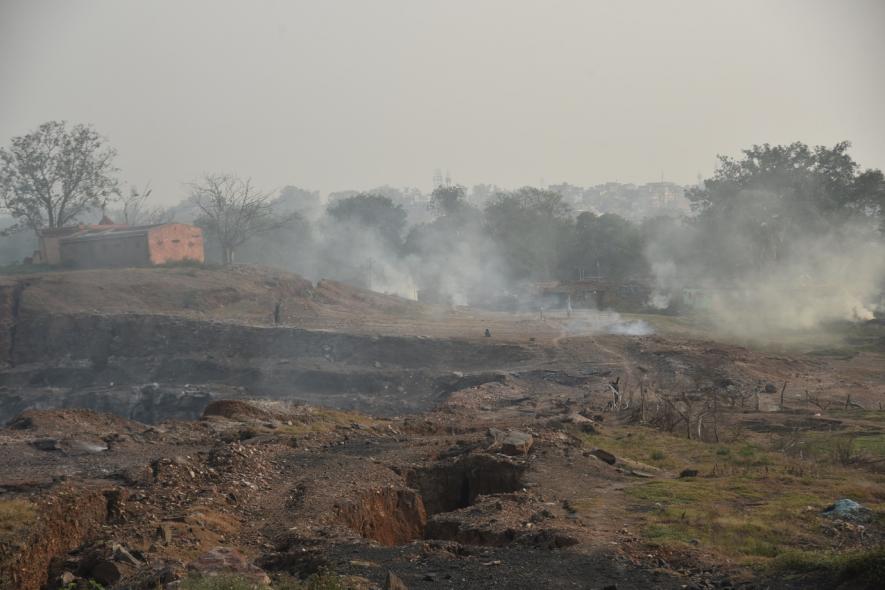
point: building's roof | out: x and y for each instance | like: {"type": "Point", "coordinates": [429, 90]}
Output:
{"type": "Point", "coordinates": [101, 232]}
{"type": "Point", "coordinates": [62, 231]}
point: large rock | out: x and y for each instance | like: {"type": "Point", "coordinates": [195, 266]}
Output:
{"type": "Point", "coordinates": [586, 425]}
{"type": "Point", "coordinates": [517, 443]}
{"type": "Point", "coordinates": [847, 509]}
{"type": "Point", "coordinates": [604, 455]}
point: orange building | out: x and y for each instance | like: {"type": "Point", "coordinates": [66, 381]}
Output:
{"type": "Point", "coordinates": [110, 245]}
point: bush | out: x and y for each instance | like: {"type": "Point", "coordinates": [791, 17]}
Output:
{"type": "Point", "coordinates": [657, 456]}
{"type": "Point", "coordinates": [842, 451]}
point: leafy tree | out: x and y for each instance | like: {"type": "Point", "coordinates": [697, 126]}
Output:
{"type": "Point", "coordinates": [52, 175]}
{"type": "Point", "coordinates": [784, 190]}
{"type": "Point", "coordinates": [774, 195]}
{"type": "Point", "coordinates": [233, 210]}
{"type": "Point", "coordinates": [448, 199]}
{"type": "Point", "coordinates": [481, 194]}
{"type": "Point", "coordinates": [604, 245]}
{"type": "Point", "coordinates": [455, 220]}
{"type": "Point", "coordinates": [531, 227]}
{"type": "Point", "coordinates": [375, 212]}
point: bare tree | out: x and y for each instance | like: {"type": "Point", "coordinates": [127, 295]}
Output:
{"type": "Point", "coordinates": [50, 176]}
{"type": "Point", "coordinates": [135, 209]}
{"type": "Point", "coordinates": [822, 404]}
{"type": "Point", "coordinates": [233, 210]}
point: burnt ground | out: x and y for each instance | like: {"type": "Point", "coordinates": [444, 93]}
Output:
{"type": "Point", "coordinates": [157, 419]}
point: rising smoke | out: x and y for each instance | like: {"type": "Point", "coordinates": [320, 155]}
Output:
{"type": "Point", "coordinates": [762, 268]}
{"type": "Point", "coordinates": [763, 277]}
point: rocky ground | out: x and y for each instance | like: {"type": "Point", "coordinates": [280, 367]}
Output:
{"type": "Point", "coordinates": [150, 444]}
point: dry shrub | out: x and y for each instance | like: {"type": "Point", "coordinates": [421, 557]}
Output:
{"type": "Point", "coordinates": [843, 450]}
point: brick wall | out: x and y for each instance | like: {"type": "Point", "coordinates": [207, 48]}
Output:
{"type": "Point", "coordinates": [174, 242]}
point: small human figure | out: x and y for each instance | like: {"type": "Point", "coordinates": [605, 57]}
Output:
{"type": "Point", "coordinates": [277, 309]}
{"type": "Point", "coordinates": [488, 333]}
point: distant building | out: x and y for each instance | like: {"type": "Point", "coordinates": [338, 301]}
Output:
{"type": "Point", "coordinates": [50, 239]}
{"type": "Point", "coordinates": [113, 245]}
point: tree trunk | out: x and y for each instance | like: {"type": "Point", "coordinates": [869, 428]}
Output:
{"type": "Point", "coordinates": [228, 254]}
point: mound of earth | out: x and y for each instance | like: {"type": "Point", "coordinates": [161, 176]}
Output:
{"type": "Point", "coordinates": [239, 293]}
{"type": "Point", "coordinates": [74, 421]}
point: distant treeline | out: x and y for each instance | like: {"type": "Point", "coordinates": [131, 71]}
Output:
{"type": "Point", "coordinates": [777, 221]}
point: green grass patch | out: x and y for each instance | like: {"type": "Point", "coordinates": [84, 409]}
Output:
{"type": "Point", "coordinates": [870, 444]}
{"type": "Point", "coordinates": [666, 534]}
{"type": "Point", "coordinates": [674, 453]}
{"type": "Point", "coordinates": [844, 448]}
{"type": "Point", "coordinates": [746, 518]}
{"type": "Point", "coordinates": [751, 502]}
{"type": "Point", "coordinates": [865, 567]}
{"type": "Point", "coordinates": [858, 414]}
{"type": "Point", "coordinates": [325, 420]}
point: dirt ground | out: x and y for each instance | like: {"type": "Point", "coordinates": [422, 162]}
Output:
{"type": "Point", "coordinates": [364, 435]}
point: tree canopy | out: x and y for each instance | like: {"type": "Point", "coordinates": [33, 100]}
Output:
{"type": "Point", "coordinates": [448, 199]}
{"type": "Point", "coordinates": [604, 245]}
{"type": "Point", "coordinates": [54, 174]}
{"type": "Point", "coordinates": [374, 212]}
{"type": "Point", "coordinates": [776, 195]}
{"type": "Point", "coordinates": [531, 226]}
{"type": "Point", "coordinates": [810, 183]}
{"type": "Point", "coordinates": [233, 210]}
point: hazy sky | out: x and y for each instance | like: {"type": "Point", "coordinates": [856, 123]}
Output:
{"type": "Point", "coordinates": [333, 95]}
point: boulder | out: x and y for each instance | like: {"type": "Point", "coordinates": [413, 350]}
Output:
{"type": "Point", "coordinates": [517, 443]}
{"type": "Point", "coordinates": [604, 455]}
{"type": "Point", "coordinates": [586, 425]}
{"type": "Point", "coordinates": [847, 509]}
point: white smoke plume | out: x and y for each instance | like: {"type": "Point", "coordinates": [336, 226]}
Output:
{"type": "Point", "coordinates": [805, 281]}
